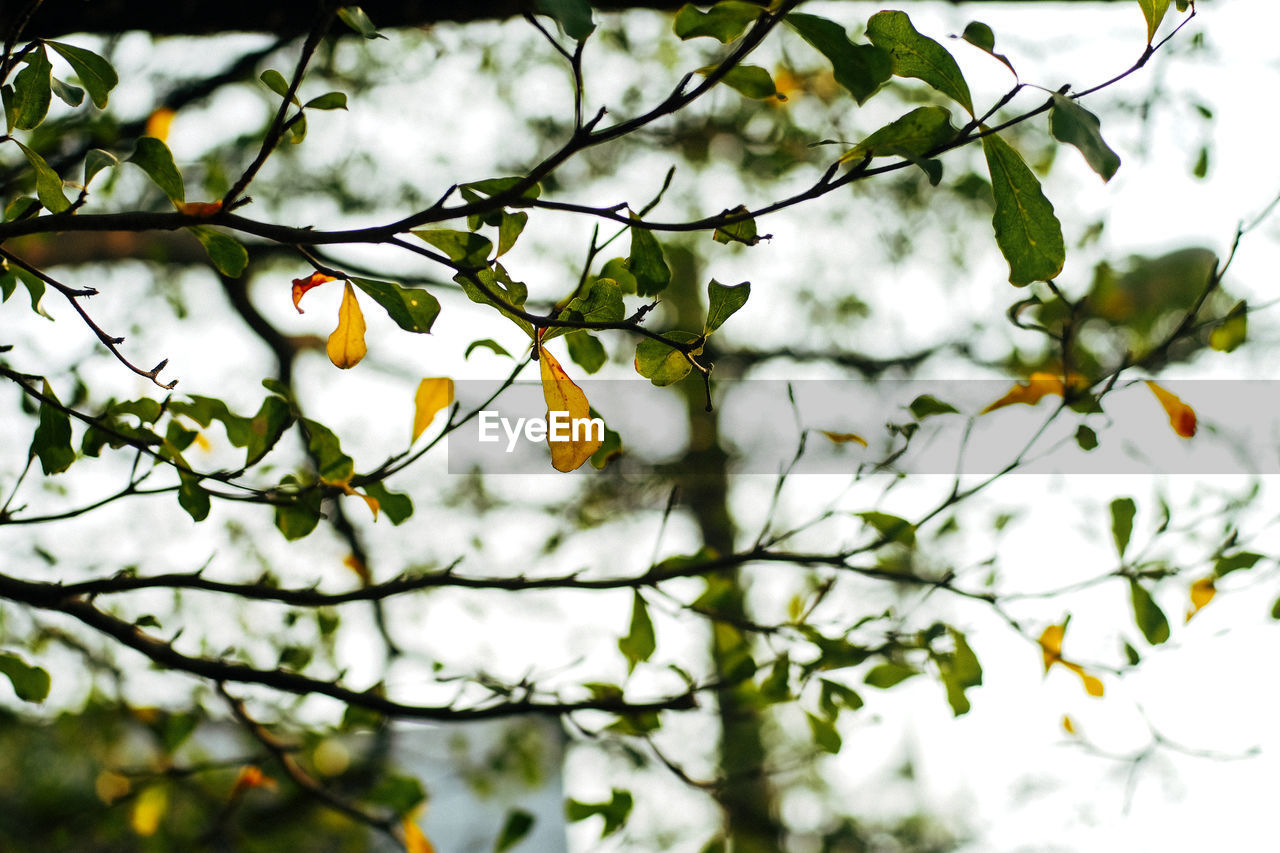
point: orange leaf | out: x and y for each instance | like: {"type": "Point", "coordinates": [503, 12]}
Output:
{"type": "Point", "coordinates": [1068, 724]}
{"type": "Point", "coordinates": [414, 840]}
{"type": "Point", "coordinates": [1092, 685]}
{"type": "Point", "coordinates": [573, 441]}
{"type": "Point", "coordinates": [252, 776]}
{"type": "Point", "coordinates": [346, 345]}
{"type": "Point", "coordinates": [845, 437]}
{"type": "Point", "coordinates": [1181, 416]}
{"type": "Point", "coordinates": [1036, 388]}
{"type": "Point", "coordinates": [1202, 592]}
{"type": "Point", "coordinates": [159, 122]}
{"type": "Point", "coordinates": [355, 564]}
{"type": "Point", "coordinates": [302, 285]}
{"type": "Point", "coordinates": [433, 395]}
{"type": "Point", "coordinates": [198, 208]}
{"type": "Point", "coordinates": [369, 500]}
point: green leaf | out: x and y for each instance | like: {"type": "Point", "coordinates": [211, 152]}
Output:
{"type": "Point", "coordinates": [30, 683]}
{"type": "Point", "coordinates": [927, 405]}
{"type": "Point", "coordinates": [980, 36]}
{"type": "Point", "coordinates": [72, 96]}
{"type": "Point", "coordinates": [1027, 231]}
{"type": "Point", "coordinates": [1073, 124]}
{"type": "Point", "coordinates": [646, 263]}
{"type": "Point", "coordinates": [511, 293]}
{"type": "Point", "coordinates": [1149, 618]}
{"type": "Point", "coordinates": [191, 497]}
{"type": "Point", "coordinates": [918, 56]}
{"type": "Point", "coordinates": [1275, 609]}
{"type": "Point", "coordinates": [960, 670]}
{"type": "Point", "coordinates": [153, 157]}
{"type": "Point", "coordinates": [486, 343]}
{"type": "Point", "coordinates": [465, 247]}
{"type": "Point", "coordinates": [228, 256]}
{"type": "Point", "coordinates": [1228, 563]}
{"type": "Point", "coordinates": [509, 230]}
{"type": "Point", "coordinates": [20, 208]}
{"type": "Point", "coordinates": [574, 16]}
{"type": "Point", "coordinates": [412, 308]}
{"type": "Point", "coordinates": [48, 184]}
{"type": "Point", "coordinates": [836, 697]}
{"type": "Point", "coordinates": [609, 449]}
{"type": "Point", "coordinates": [95, 73]}
{"type": "Point", "coordinates": [639, 643]}
{"type": "Point", "coordinates": [275, 81]}
{"type": "Point", "coordinates": [860, 68]}
{"type": "Point", "coordinates": [52, 440]}
{"type": "Point", "coordinates": [586, 350]}
{"type": "Point", "coordinates": [911, 136]}
{"type": "Point", "coordinates": [1122, 513]}
{"type": "Point", "coordinates": [1154, 11]}
{"type": "Point", "coordinates": [742, 231]}
{"type": "Point", "coordinates": [824, 734]}
{"type": "Point", "coordinates": [297, 519]}
{"type": "Point", "coordinates": [328, 101]}
{"type": "Point", "coordinates": [333, 466]}
{"type": "Point", "coordinates": [599, 302]}
{"type": "Point", "coordinates": [723, 301]}
{"type": "Point", "coordinates": [1234, 329]}
{"type": "Point", "coordinates": [891, 527]}
{"type": "Point", "coordinates": [887, 675]}
{"type": "Point", "coordinates": [661, 364]}
{"type": "Point", "coordinates": [497, 186]}
{"type": "Point", "coordinates": [1086, 437]}
{"type": "Point", "coordinates": [355, 18]}
{"type": "Point", "coordinates": [394, 505]}
{"type": "Point", "coordinates": [97, 160]}
{"type": "Point", "coordinates": [750, 80]}
{"type": "Point", "coordinates": [619, 270]}
{"type": "Point", "coordinates": [32, 91]}
{"type": "Point", "coordinates": [724, 22]}
{"type": "Point", "coordinates": [615, 812]}
{"type": "Point", "coordinates": [401, 794]}
{"type": "Point", "coordinates": [514, 829]}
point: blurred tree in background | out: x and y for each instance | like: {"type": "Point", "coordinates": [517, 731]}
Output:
{"type": "Point", "coordinates": [225, 590]}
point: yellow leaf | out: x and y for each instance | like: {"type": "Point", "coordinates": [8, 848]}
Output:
{"type": "Point", "coordinates": [148, 809]}
{"type": "Point", "coordinates": [845, 437]}
{"type": "Point", "coordinates": [1068, 725]}
{"type": "Point", "coordinates": [346, 344]}
{"type": "Point", "coordinates": [1051, 644]}
{"type": "Point", "coordinates": [1202, 592]}
{"type": "Point", "coordinates": [414, 840]}
{"type": "Point", "coordinates": [433, 395]}
{"type": "Point", "coordinates": [579, 437]}
{"type": "Point", "coordinates": [1037, 387]}
{"type": "Point", "coordinates": [111, 786]}
{"type": "Point", "coordinates": [1092, 685]}
{"type": "Point", "coordinates": [1181, 416]}
{"type": "Point", "coordinates": [159, 122]}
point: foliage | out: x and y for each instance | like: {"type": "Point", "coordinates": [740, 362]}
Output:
{"type": "Point", "coordinates": [242, 453]}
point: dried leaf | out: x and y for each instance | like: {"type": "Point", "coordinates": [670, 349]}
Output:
{"type": "Point", "coordinates": [1036, 388]}
{"type": "Point", "coordinates": [433, 395]}
{"type": "Point", "coordinates": [1202, 592]}
{"type": "Point", "coordinates": [845, 437]}
{"type": "Point", "coordinates": [302, 285]}
{"type": "Point", "coordinates": [563, 396]}
{"type": "Point", "coordinates": [1181, 416]}
{"type": "Point", "coordinates": [346, 345]}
